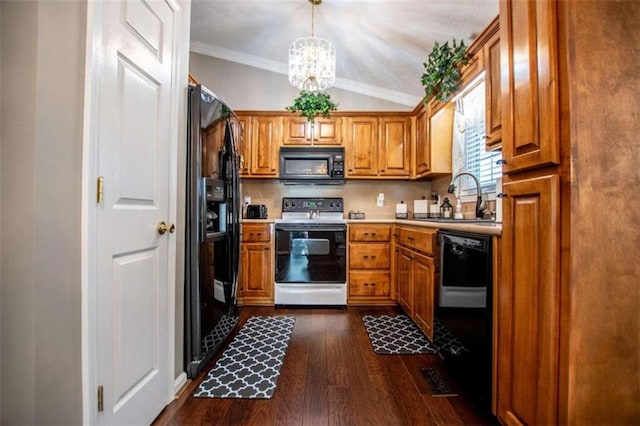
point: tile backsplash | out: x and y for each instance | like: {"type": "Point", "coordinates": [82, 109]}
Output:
{"type": "Point", "coordinates": [358, 194]}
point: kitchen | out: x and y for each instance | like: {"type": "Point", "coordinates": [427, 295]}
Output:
{"type": "Point", "coordinates": [589, 264]}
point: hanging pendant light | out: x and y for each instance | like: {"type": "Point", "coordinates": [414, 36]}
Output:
{"type": "Point", "coordinates": [312, 60]}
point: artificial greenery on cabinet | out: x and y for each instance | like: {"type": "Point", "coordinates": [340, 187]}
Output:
{"type": "Point", "coordinates": [311, 104]}
{"type": "Point", "coordinates": [442, 71]}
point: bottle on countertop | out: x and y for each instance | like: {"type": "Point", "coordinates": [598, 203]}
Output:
{"type": "Point", "coordinates": [446, 209]}
{"type": "Point", "coordinates": [434, 207]}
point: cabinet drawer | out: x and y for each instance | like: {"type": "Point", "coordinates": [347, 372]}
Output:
{"type": "Point", "coordinates": [423, 240]}
{"type": "Point", "coordinates": [369, 232]}
{"type": "Point", "coordinates": [256, 232]}
{"type": "Point", "coordinates": [369, 255]}
{"type": "Point", "coordinates": [369, 283]}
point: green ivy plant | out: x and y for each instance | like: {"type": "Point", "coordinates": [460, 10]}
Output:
{"type": "Point", "coordinates": [442, 70]}
{"type": "Point", "coordinates": [311, 104]}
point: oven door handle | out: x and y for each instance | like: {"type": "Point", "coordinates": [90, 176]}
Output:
{"type": "Point", "coordinates": [322, 228]}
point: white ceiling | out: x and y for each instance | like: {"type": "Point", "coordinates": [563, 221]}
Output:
{"type": "Point", "coordinates": [380, 44]}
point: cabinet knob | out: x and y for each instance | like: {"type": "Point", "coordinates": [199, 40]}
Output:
{"type": "Point", "coordinates": [266, 248]}
{"type": "Point", "coordinates": [373, 257]}
{"type": "Point", "coordinates": [366, 233]}
{"type": "Point", "coordinates": [373, 234]}
{"type": "Point", "coordinates": [365, 257]}
{"type": "Point", "coordinates": [501, 161]}
{"type": "Point", "coordinates": [502, 195]}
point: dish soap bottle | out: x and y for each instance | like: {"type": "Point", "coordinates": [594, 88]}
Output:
{"type": "Point", "coordinates": [458, 214]}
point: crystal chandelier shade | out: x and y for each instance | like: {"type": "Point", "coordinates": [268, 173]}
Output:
{"type": "Point", "coordinates": [312, 61]}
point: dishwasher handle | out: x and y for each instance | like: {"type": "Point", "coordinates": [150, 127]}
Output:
{"type": "Point", "coordinates": [457, 249]}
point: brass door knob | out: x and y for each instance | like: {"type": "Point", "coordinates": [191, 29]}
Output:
{"type": "Point", "coordinates": [163, 228]}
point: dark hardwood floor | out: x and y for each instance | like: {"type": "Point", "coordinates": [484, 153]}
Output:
{"type": "Point", "coordinates": [331, 376]}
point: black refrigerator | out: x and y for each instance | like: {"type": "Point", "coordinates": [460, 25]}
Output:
{"type": "Point", "coordinates": [212, 239]}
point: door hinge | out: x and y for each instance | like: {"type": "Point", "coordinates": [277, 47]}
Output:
{"type": "Point", "coordinates": [100, 191]}
{"type": "Point", "coordinates": [100, 399]}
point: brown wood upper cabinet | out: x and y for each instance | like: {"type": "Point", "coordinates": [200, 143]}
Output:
{"type": "Point", "coordinates": [262, 139]}
{"type": "Point", "coordinates": [433, 133]}
{"type": "Point", "coordinates": [321, 131]}
{"type": "Point", "coordinates": [493, 110]}
{"type": "Point", "coordinates": [361, 147]}
{"type": "Point", "coordinates": [379, 146]}
{"type": "Point", "coordinates": [395, 146]}
{"type": "Point", "coordinates": [529, 84]}
{"type": "Point", "coordinates": [212, 140]}
{"type": "Point", "coordinates": [244, 146]}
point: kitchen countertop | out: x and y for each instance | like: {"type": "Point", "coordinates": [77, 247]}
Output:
{"type": "Point", "coordinates": [486, 228]}
{"type": "Point", "coordinates": [490, 228]}
{"type": "Point", "coordinates": [257, 220]}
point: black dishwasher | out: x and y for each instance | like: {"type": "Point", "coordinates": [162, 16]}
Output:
{"type": "Point", "coordinates": [464, 311]}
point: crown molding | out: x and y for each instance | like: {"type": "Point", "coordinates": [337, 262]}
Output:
{"type": "Point", "coordinates": [282, 68]}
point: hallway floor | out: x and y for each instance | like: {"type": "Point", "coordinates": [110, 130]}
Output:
{"type": "Point", "coordinates": [331, 376]}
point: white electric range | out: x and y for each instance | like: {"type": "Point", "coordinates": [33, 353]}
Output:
{"type": "Point", "coordinates": [311, 253]}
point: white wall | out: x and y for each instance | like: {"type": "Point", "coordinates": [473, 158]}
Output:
{"type": "Point", "coordinates": [42, 106]}
{"type": "Point", "coordinates": [248, 88]}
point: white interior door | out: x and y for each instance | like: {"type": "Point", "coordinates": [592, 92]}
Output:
{"type": "Point", "coordinates": [135, 46]}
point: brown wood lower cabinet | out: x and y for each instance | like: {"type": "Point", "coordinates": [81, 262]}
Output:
{"type": "Point", "coordinates": [415, 274]}
{"type": "Point", "coordinates": [528, 303]}
{"type": "Point", "coordinates": [369, 264]}
{"type": "Point", "coordinates": [256, 271]}
{"type": "Point", "coordinates": [424, 272]}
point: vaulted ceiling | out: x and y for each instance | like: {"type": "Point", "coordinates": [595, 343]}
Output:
{"type": "Point", "coordinates": [380, 44]}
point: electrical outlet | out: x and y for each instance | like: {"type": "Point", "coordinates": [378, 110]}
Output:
{"type": "Point", "coordinates": [247, 199]}
{"type": "Point", "coordinates": [380, 200]}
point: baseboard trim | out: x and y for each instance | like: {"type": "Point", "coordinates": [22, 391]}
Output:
{"type": "Point", "coordinates": [180, 383]}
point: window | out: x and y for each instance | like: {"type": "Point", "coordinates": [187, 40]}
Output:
{"type": "Point", "coordinates": [471, 127]}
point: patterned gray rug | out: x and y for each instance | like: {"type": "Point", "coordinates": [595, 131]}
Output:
{"type": "Point", "coordinates": [397, 334]}
{"type": "Point", "coordinates": [250, 366]}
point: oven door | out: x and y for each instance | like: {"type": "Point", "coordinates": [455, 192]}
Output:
{"type": "Point", "coordinates": [311, 253]}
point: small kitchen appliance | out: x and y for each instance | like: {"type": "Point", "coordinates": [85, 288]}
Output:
{"type": "Point", "coordinates": [312, 165]}
{"type": "Point", "coordinates": [256, 211]}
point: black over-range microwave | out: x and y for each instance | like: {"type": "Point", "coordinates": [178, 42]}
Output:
{"type": "Point", "coordinates": [312, 165]}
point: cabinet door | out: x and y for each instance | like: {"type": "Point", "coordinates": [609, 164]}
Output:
{"type": "Point", "coordinates": [421, 151]}
{"type": "Point", "coordinates": [530, 108]}
{"type": "Point", "coordinates": [395, 146]}
{"type": "Point", "coordinates": [404, 282]}
{"type": "Point", "coordinates": [362, 146]}
{"type": "Point", "coordinates": [212, 140]}
{"type": "Point", "coordinates": [256, 280]}
{"type": "Point", "coordinates": [327, 131]}
{"type": "Point", "coordinates": [440, 131]}
{"type": "Point", "coordinates": [245, 145]}
{"type": "Point", "coordinates": [297, 131]}
{"type": "Point", "coordinates": [423, 293]}
{"type": "Point", "coordinates": [265, 143]}
{"type": "Point", "coordinates": [493, 110]}
{"type": "Point", "coordinates": [528, 299]}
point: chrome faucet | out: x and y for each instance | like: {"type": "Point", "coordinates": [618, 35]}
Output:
{"type": "Point", "coordinates": [479, 202]}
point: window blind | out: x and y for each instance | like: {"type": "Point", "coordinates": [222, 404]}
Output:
{"type": "Point", "coordinates": [478, 161]}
